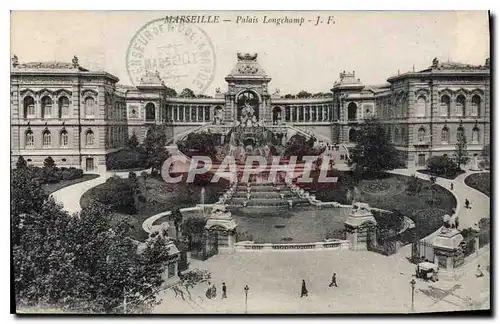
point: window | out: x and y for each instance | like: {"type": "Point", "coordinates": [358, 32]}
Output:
{"type": "Point", "coordinates": [89, 138]}
{"type": "Point", "coordinates": [64, 138]}
{"type": "Point", "coordinates": [63, 107]}
{"type": "Point", "coordinates": [29, 107]}
{"type": "Point", "coordinates": [475, 106]}
{"type": "Point", "coordinates": [421, 106]}
{"type": "Point", "coordinates": [445, 105]}
{"type": "Point", "coordinates": [397, 135]}
{"type": "Point", "coordinates": [46, 107]}
{"type": "Point", "coordinates": [150, 112]}
{"type": "Point", "coordinates": [47, 138]}
{"type": "Point", "coordinates": [352, 111]}
{"type": "Point", "coordinates": [460, 106]}
{"type": "Point", "coordinates": [29, 139]}
{"type": "Point", "coordinates": [445, 135]}
{"type": "Point", "coordinates": [460, 133]}
{"type": "Point", "coordinates": [475, 135]}
{"type": "Point", "coordinates": [421, 134]}
{"type": "Point", "coordinates": [89, 107]}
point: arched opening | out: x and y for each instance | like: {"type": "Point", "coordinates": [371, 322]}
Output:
{"type": "Point", "coordinates": [421, 106]}
{"type": "Point", "coordinates": [445, 105]}
{"type": "Point", "coordinates": [47, 138]}
{"type": "Point", "coordinates": [445, 135]}
{"type": "Point", "coordinates": [287, 114]}
{"type": "Point", "coordinates": [89, 107]}
{"type": "Point", "coordinates": [63, 107]}
{"type": "Point", "coordinates": [276, 115]}
{"type": "Point", "coordinates": [475, 105]}
{"type": "Point", "coordinates": [46, 107]}
{"type": "Point", "coordinates": [150, 112]}
{"type": "Point", "coordinates": [29, 107]}
{"type": "Point", "coordinates": [353, 135]}
{"type": "Point", "coordinates": [475, 135]}
{"type": "Point", "coordinates": [460, 106]}
{"type": "Point", "coordinates": [63, 138]}
{"type": "Point", "coordinates": [421, 134]}
{"type": "Point", "coordinates": [397, 135]}
{"type": "Point", "coordinates": [89, 138]}
{"type": "Point", "coordinates": [247, 104]}
{"type": "Point", "coordinates": [29, 140]}
{"type": "Point", "coordinates": [352, 111]}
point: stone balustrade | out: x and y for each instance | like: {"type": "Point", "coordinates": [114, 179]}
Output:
{"type": "Point", "coordinates": [327, 245]}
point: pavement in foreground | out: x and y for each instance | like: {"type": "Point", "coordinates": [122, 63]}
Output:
{"type": "Point", "coordinates": [367, 283]}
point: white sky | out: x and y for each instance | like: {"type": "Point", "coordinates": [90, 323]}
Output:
{"type": "Point", "coordinates": [375, 44]}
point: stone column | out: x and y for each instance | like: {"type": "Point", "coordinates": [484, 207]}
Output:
{"type": "Point", "coordinates": [358, 225]}
{"type": "Point", "coordinates": [447, 249]}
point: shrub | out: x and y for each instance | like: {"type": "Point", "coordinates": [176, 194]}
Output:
{"type": "Point", "coordinates": [442, 165]}
{"type": "Point", "coordinates": [117, 194]}
{"type": "Point", "coordinates": [71, 173]}
{"type": "Point", "coordinates": [127, 159]}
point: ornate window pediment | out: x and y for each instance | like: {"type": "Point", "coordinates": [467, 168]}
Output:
{"type": "Point", "coordinates": [27, 92]}
{"type": "Point", "coordinates": [45, 92]}
{"type": "Point", "coordinates": [422, 92]}
{"type": "Point", "coordinates": [447, 91]}
{"type": "Point", "coordinates": [63, 92]}
{"type": "Point", "coordinates": [89, 92]}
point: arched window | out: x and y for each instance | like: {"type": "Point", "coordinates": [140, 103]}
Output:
{"type": "Point", "coordinates": [89, 138]}
{"type": "Point", "coordinates": [352, 111]}
{"type": "Point", "coordinates": [46, 107]}
{"type": "Point", "coordinates": [150, 112]}
{"type": "Point", "coordinates": [475, 105]}
{"type": "Point", "coordinates": [29, 107]}
{"type": "Point", "coordinates": [397, 135]}
{"type": "Point", "coordinates": [421, 134]}
{"type": "Point", "coordinates": [445, 105]}
{"type": "Point", "coordinates": [287, 113]}
{"type": "Point", "coordinates": [64, 138]}
{"type": "Point", "coordinates": [276, 115]}
{"type": "Point", "coordinates": [460, 106]}
{"type": "Point", "coordinates": [421, 106]}
{"type": "Point", "coordinates": [47, 138]}
{"type": "Point", "coordinates": [63, 106]}
{"type": "Point", "coordinates": [460, 133]}
{"type": "Point", "coordinates": [445, 135]}
{"type": "Point", "coordinates": [29, 139]}
{"type": "Point", "coordinates": [352, 135]}
{"type": "Point", "coordinates": [475, 135]}
{"type": "Point", "coordinates": [89, 107]}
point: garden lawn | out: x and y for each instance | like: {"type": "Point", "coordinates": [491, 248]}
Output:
{"type": "Point", "coordinates": [52, 187]}
{"type": "Point", "coordinates": [480, 181]}
{"type": "Point", "coordinates": [160, 197]}
{"type": "Point", "coordinates": [442, 175]}
{"type": "Point", "coordinates": [389, 193]}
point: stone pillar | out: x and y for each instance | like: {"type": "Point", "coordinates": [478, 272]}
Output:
{"type": "Point", "coordinates": [358, 225]}
{"type": "Point", "coordinates": [222, 221]}
{"type": "Point", "coordinates": [448, 254]}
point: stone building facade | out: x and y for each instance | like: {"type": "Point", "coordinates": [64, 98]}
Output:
{"type": "Point", "coordinates": [79, 116]}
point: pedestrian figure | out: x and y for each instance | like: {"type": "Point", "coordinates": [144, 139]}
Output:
{"type": "Point", "coordinates": [451, 186]}
{"type": "Point", "coordinates": [479, 273]}
{"type": "Point", "coordinates": [303, 291]}
{"type": "Point", "coordinates": [214, 291]}
{"type": "Point", "coordinates": [334, 281]}
{"type": "Point", "coordinates": [467, 203]}
{"type": "Point", "coordinates": [224, 292]}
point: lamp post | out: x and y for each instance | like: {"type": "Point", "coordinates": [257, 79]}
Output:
{"type": "Point", "coordinates": [412, 283]}
{"type": "Point", "coordinates": [246, 297]}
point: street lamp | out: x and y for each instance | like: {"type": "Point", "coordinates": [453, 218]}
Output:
{"type": "Point", "coordinates": [412, 283]}
{"type": "Point", "coordinates": [246, 297]}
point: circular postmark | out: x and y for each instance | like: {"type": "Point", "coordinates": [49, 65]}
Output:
{"type": "Point", "coordinates": [182, 54]}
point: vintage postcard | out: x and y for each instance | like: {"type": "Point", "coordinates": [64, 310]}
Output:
{"type": "Point", "coordinates": [251, 162]}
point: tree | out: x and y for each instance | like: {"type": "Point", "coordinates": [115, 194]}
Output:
{"type": "Point", "coordinates": [77, 263]}
{"type": "Point", "coordinates": [486, 153]}
{"type": "Point", "coordinates": [171, 92]}
{"type": "Point", "coordinates": [133, 143]}
{"type": "Point", "coordinates": [461, 154]}
{"type": "Point", "coordinates": [21, 163]}
{"type": "Point", "coordinates": [187, 93]}
{"type": "Point", "coordinates": [374, 153]}
{"type": "Point", "coordinates": [289, 96]}
{"type": "Point", "coordinates": [154, 145]}
{"type": "Point", "coordinates": [441, 165]}
{"type": "Point", "coordinates": [304, 94]}
{"type": "Point", "coordinates": [49, 163]}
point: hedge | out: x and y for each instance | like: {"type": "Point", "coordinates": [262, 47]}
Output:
{"type": "Point", "coordinates": [127, 159]}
